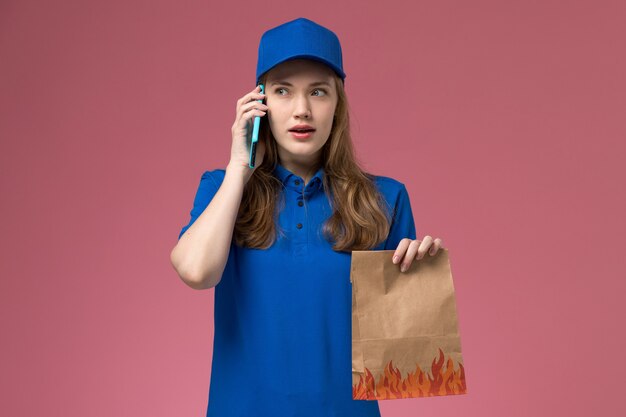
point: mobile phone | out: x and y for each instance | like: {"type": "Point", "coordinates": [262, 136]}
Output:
{"type": "Point", "coordinates": [255, 133]}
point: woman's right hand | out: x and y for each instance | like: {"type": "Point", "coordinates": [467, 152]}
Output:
{"type": "Point", "coordinates": [247, 108]}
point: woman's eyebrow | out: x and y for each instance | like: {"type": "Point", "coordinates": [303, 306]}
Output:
{"type": "Point", "coordinates": [316, 83]}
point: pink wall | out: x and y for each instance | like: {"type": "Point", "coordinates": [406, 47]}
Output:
{"type": "Point", "coordinates": [504, 119]}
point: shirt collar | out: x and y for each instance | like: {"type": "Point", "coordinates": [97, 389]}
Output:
{"type": "Point", "coordinates": [295, 182]}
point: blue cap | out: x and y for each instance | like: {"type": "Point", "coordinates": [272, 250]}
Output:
{"type": "Point", "coordinates": [299, 38]}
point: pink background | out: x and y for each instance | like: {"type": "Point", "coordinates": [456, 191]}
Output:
{"type": "Point", "coordinates": [504, 119]}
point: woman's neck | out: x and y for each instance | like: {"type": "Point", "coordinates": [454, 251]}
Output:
{"type": "Point", "coordinates": [306, 172]}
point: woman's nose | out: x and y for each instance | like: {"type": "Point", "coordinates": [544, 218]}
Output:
{"type": "Point", "coordinates": [302, 109]}
{"type": "Point", "coordinates": [306, 114]}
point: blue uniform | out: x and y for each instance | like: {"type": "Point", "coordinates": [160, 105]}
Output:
{"type": "Point", "coordinates": [283, 341]}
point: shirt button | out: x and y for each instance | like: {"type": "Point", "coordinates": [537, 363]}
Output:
{"type": "Point", "coordinates": [299, 225]}
{"type": "Point", "coordinates": [297, 182]}
{"type": "Point", "coordinates": [300, 203]}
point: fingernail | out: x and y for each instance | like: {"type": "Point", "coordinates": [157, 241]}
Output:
{"type": "Point", "coordinates": [395, 259]}
{"type": "Point", "coordinates": [403, 268]}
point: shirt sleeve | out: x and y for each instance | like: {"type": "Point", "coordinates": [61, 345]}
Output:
{"type": "Point", "coordinates": [402, 224]}
{"type": "Point", "coordinates": [206, 191]}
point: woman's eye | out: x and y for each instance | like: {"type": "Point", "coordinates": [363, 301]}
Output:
{"type": "Point", "coordinates": [277, 91]}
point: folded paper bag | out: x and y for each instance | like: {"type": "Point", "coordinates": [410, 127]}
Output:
{"type": "Point", "coordinates": [405, 336]}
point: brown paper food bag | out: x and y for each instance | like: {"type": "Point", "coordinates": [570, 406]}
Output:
{"type": "Point", "coordinates": [405, 336]}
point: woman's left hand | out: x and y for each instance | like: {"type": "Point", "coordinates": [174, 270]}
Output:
{"type": "Point", "coordinates": [408, 249]}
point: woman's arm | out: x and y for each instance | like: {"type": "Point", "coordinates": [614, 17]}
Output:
{"type": "Point", "coordinates": [201, 253]}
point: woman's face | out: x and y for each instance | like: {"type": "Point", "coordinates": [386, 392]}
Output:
{"type": "Point", "coordinates": [293, 98]}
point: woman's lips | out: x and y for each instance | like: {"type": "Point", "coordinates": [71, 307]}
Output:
{"type": "Point", "coordinates": [301, 135]}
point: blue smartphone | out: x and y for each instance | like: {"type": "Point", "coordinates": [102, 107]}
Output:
{"type": "Point", "coordinates": [255, 133]}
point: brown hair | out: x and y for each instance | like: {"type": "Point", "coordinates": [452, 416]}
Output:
{"type": "Point", "coordinates": [360, 219]}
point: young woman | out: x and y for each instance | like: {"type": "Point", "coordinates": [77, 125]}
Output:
{"type": "Point", "coordinates": [275, 241]}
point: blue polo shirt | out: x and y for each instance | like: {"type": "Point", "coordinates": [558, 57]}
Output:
{"type": "Point", "coordinates": [282, 341]}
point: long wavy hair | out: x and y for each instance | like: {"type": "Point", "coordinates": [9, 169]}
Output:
{"type": "Point", "coordinates": [361, 216]}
